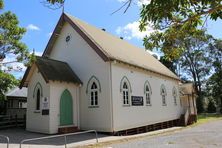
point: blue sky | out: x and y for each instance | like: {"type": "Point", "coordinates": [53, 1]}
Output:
{"type": "Point", "coordinates": [40, 20]}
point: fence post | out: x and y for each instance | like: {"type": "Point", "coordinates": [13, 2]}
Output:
{"type": "Point", "coordinates": [65, 141]}
{"type": "Point", "coordinates": [96, 136]}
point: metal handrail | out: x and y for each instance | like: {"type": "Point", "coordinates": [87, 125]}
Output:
{"type": "Point", "coordinates": [63, 135]}
{"type": "Point", "coordinates": [7, 138]}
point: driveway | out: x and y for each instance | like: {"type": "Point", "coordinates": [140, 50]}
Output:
{"type": "Point", "coordinates": [16, 135]}
{"type": "Point", "coordinates": [208, 135]}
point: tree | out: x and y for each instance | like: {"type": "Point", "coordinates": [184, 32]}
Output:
{"type": "Point", "coordinates": [10, 43]}
{"type": "Point", "coordinates": [1, 4]}
{"type": "Point", "coordinates": [214, 84]}
{"type": "Point", "coordinates": [7, 81]}
{"type": "Point", "coordinates": [10, 37]}
{"type": "Point", "coordinates": [211, 108]}
{"type": "Point", "coordinates": [176, 20]}
{"type": "Point", "coordinates": [196, 63]}
{"type": "Point", "coordinates": [56, 1]}
{"type": "Point", "coordinates": [171, 65]}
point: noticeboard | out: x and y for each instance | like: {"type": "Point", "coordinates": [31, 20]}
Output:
{"type": "Point", "coordinates": [137, 100]}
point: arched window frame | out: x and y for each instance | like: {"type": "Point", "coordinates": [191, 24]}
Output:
{"type": "Point", "coordinates": [163, 93]}
{"type": "Point", "coordinates": [126, 92]}
{"type": "Point", "coordinates": [174, 94]}
{"type": "Point", "coordinates": [37, 95]}
{"type": "Point", "coordinates": [147, 93]}
{"type": "Point", "coordinates": [93, 90]}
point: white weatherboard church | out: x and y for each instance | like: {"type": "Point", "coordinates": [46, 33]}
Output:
{"type": "Point", "coordinates": [89, 79]}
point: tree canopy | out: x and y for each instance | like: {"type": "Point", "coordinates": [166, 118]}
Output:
{"type": "Point", "coordinates": [7, 81]}
{"type": "Point", "coordinates": [175, 20]}
{"type": "Point", "coordinates": [10, 38]}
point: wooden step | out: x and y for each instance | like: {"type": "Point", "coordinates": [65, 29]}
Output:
{"type": "Point", "coordinates": [68, 129]}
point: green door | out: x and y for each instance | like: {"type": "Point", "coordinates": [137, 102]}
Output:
{"type": "Point", "coordinates": [66, 109]}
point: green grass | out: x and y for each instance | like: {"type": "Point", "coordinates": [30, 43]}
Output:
{"type": "Point", "coordinates": [206, 117]}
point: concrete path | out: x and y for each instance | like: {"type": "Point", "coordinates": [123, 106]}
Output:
{"type": "Point", "coordinates": [16, 135]}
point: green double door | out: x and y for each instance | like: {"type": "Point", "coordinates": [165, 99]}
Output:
{"type": "Point", "coordinates": [66, 109]}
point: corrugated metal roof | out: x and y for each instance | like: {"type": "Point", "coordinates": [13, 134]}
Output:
{"type": "Point", "coordinates": [17, 92]}
{"type": "Point", "coordinates": [117, 49]}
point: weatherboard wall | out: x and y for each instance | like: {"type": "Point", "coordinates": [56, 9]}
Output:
{"type": "Point", "coordinates": [36, 122]}
{"type": "Point", "coordinates": [86, 63]}
{"type": "Point", "coordinates": [126, 117]}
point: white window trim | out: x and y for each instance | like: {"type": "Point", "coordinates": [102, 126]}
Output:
{"type": "Point", "coordinates": [147, 93]}
{"type": "Point", "coordinates": [93, 97]}
{"type": "Point", "coordinates": [124, 91]}
{"type": "Point", "coordinates": [163, 94]}
{"type": "Point", "coordinates": [175, 96]}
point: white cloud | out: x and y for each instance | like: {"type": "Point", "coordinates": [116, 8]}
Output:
{"type": "Point", "coordinates": [121, 1]}
{"type": "Point", "coordinates": [143, 2]}
{"type": "Point", "coordinates": [38, 53]}
{"type": "Point", "coordinates": [10, 63]}
{"type": "Point", "coordinates": [138, 2]}
{"type": "Point", "coordinates": [131, 30]}
{"type": "Point", "coordinates": [49, 34]}
{"type": "Point", "coordinates": [32, 27]}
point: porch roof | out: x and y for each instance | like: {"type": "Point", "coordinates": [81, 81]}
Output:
{"type": "Point", "coordinates": [53, 70]}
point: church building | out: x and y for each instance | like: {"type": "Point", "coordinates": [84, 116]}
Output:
{"type": "Point", "coordinates": [90, 79]}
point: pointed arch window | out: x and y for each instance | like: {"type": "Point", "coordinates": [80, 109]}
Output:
{"type": "Point", "coordinates": [38, 100]}
{"type": "Point", "coordinates": [37, 95]}
{"type": "Point", "coordinates": [93, 90]}
{"type": "Point", "coordinates": [163, 94]}
{"type": "Point", "coordinates": [147, 92]}
{"type": "Point", "coordinates": [94, 95]}
{"type": "Point", "coordinates": [125, 89]}
{"type": "Point", "coordinates": [125, 94]}
{"type": "Point", "coordinates": [174, 92]}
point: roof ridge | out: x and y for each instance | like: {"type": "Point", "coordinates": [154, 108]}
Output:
{"type": "Point", "coordinates": [49, 59]}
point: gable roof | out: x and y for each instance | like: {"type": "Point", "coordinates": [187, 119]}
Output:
{"type": "Point", "coordinates": [53, 70]}
{"type": "Point", "coordinates": [109, 47]}
{"type": "Point", "coordinates": [17, 92]}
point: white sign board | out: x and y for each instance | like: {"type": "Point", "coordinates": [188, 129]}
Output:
{"type": "Point", "coordinates": [45, 103]}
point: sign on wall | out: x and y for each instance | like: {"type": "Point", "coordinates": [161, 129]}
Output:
{"type": "Point", "coordinates": [137, 100]}
{"type": "Point", "coordinates": [45, 103]}
{"type": "Point", "coordinates": [45, 106]}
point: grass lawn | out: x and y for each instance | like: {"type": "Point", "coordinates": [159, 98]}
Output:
{"type": "Point", "coordinates": [206, 117]}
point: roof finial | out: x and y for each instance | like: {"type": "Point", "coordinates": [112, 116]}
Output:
{"type": "Point", "coordinates": [63, 6]}
{"type": "Point", "coordinates": [33, 51]}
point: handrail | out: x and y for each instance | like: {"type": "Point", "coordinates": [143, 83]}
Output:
{"type": "Point", "coordinates": [7, 138]}
{"type": "Point", "coordinates": [63, 135]}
